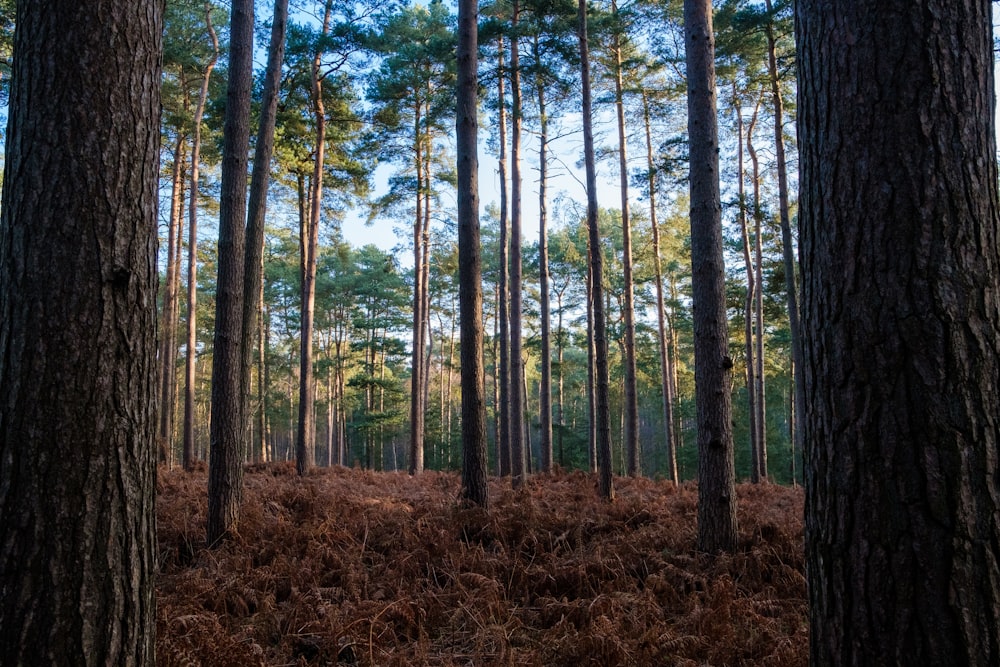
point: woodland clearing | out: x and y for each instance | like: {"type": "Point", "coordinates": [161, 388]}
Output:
{"type": "Point", "coordinates": [347, 566]}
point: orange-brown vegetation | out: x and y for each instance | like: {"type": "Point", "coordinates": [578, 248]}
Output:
{"type": "Point", "coordinates": [354, 567]}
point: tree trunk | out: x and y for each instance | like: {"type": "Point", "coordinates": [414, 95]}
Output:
{"type": "Point", "coordinates": [665, 370]}
{"type": "Point", "coordinates": [228, 428]}
{"type": "Point", "coordinates": [602, 421]}
{"type": "Point", "coordinates": [190, 364]}
{"type": "Point", "coordinates": [787, 249]}
{"type": "Point", "coordinates": [503, 443]}
{"type": "Point", "coordinates": [305, 439]}
{"type": "Point", "coordinates": [253, 265]}
{"type": "Point", "coordinates": [630, 432]}
{"type": "Point", "coordinates": [544, 301]}
{"type": "Point", "coordinates": [168, 329]}
{"type": "Point", "coordinates": [591, 370]}
{"type": "Point", "coordinates": [519, 469]}
{"type": "Point", "coordinates": [78, 371]}
{"type": "Point", "coordinates": [470, 294]}
{"type": "Point", "coordinates": [748, 307]}
{"type": "Point", "coordinates": [417, 363]}
{"type": "Point", "coordinates": [760, 419]}
{"type": "Point", "coordinates": [901, 307]}
{"type": "Point", "coordinates": [713, 367]}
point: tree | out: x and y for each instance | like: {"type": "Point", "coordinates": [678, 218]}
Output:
{"type": "Point", "coordinates": [601, 413]}
{"type": "Point", "coordinates": [253, 269]}
{"type": "Point", "coordinates": [470, 264]}
{"type": "Point", "coordinates": [631, 431]}
{"type": "Point", "coordinates": [518, 446]}
{"type": "Point", "coordinates": [78, 335]}
{"type": "Point", "coordinates": [899, 219]}
{"type": "Point", "coordinates": [225, 464]}
{"type": "Point", "coordinates": [192, 272]}
{"type": "Point", "coordinates": [412, 91]}
{"type": "Point", "coordinates": [305, 448]}
{"type": "Point", "coordinates": [713, 367]}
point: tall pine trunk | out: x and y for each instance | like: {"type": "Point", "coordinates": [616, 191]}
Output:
{"type": "Point", "coordinates": [713, 367]}
{"type": "Point", "coordinates": [419, 289]}
{"type": "Point", "coordinates": [305, 439]}
{"type": "Point", "coordinates": [227, 424]}
{"type": "Point", "coordinates": [748, 304]}
{"type": "Point", "coordinates": [168, 328]}
{"type": "Point", "coordinates": [473, 375]}
{"type": "Point", "coordinates": [760, 420]}
{"type": "Point", "coordinates": [253, 265]}
{"type": "Point", "coordinates": [661, 340]}
{"type": "Point", "coordinates": [190, 364]}
{"type": "Point", "coordinates": [545, 385]}
{"type": "Point", "coordinates": [504, 421]}
{"type": "Point", "coordinates": [602, 420]}
{"type": "Point", "coordinates": [518, 451]}
{"type": "Point", "coordinates": [630, 432]}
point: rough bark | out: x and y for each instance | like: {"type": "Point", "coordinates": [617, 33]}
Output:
{"type": "Point", "coordinates": [227, 427]}
{"type": "Point", "coordinates": [900, 261]}
{"type": "Point", "coordinates": [470, 293]}
{"type": "Point", "coordinates": [602, 413]}
{"type": "Point", "coordinates": [78, 372]}
{"type": "Point", "coordinates": [712, 365]}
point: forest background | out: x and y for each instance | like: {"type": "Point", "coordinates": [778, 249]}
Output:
{"type": "Point", "coordinates": [388, 76]}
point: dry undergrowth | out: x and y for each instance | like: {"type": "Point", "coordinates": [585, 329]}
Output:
{"type": "Point", "coordinates": [354, 567]}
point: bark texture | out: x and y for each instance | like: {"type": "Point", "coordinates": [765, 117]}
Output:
{"type": "Point", "coordinates": [225, 458]}
{"type": "Point", "coordinates": [901, 313]}
{"type": "Point", "coordinates": [712, 365]}
{"type": "Point", "coordinates": [78, 335]}
{"type": "Point", "coordinates": [470, 267]}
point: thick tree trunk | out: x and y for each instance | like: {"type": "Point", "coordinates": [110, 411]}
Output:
{"type": "Point", "coordinates": [519, 470]}
{"type": "Point", "coordinates": [190, 364]}
{"type": "Point", "coordinates": [713, 367]}
{"type": "Point", "coordinates": [470, 292]}
{"type": "Point", "coordinates": [228, 428]}
{"type": "Point", "coordinates": [901, 312]}
{"type": "Point", "coordinates": [602, 421]}
{"type": "Point", "coordinates": [78, 388]}
{"type": "Point", "coordinates": [630, 432]}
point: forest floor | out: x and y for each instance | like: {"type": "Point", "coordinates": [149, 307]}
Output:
{"type": "Point", "coordinates": [347, 566]}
